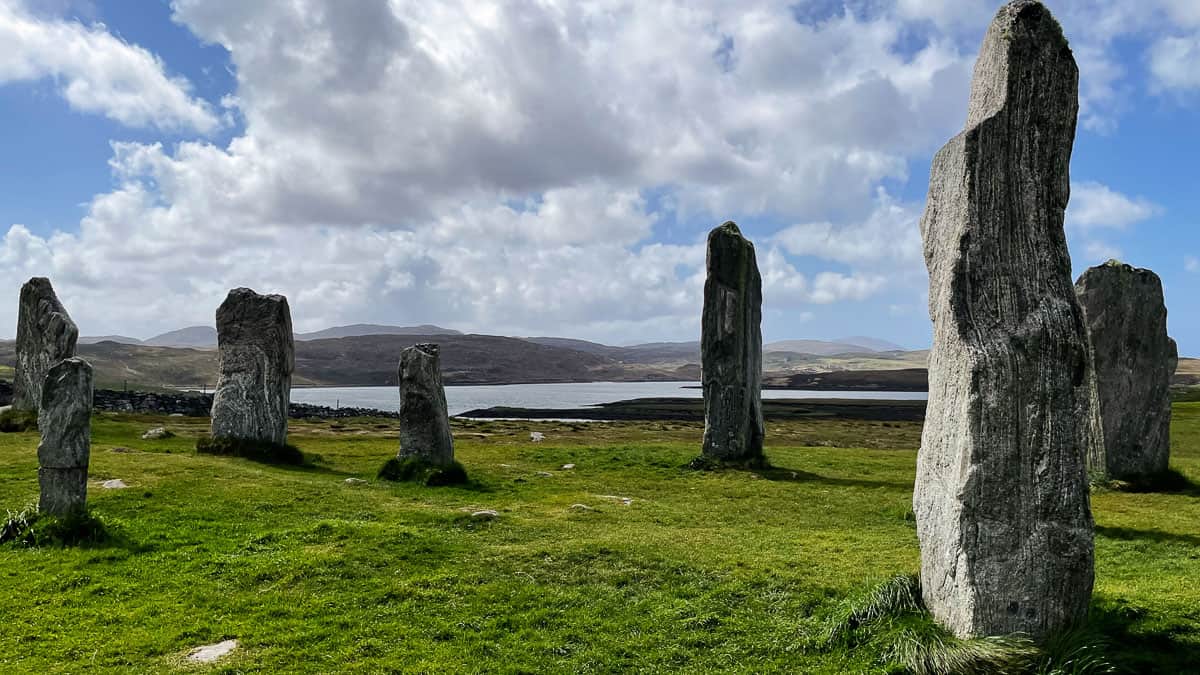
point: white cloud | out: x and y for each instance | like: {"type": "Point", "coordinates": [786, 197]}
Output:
{"type": "Point", "coordinates": [1191, 263]}
{"type": "Point", "coordinates": [1094, 205]}
{"type": "Point", "coordinates": [1173, 63]}
{"type": "Point", "coordinates": [97, 72]}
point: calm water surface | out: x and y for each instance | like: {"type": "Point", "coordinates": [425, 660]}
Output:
{"type": "Point", "coordinates": [460, 399]}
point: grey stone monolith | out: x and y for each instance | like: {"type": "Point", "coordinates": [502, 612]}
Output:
{"type": "Point", "coordinates": [256, 360]}
{"type": "Point", "coordinates": [731, 350]}
{"type": "Point", "coordinates": [45, 335]}
{"type": "Point", "coordinates": [1135, 359]}
{"type": "Point", "coordinates": [1001, 498]}
{"type": "Point", "coordinates": [424, 422]}
{"type": "Point", "coordinates": [65, 422]}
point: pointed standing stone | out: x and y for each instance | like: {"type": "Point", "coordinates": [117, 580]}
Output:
{"type": "Point", "coordinates": [257, 357]}
{"type": "Point", "coordinates": [424, 422]}
{"type": "Point", "coordinates": [45, 336]}
{"type": "Point", "coordinates": [731, 350]}
{"type": "Point", "coordinates": [1001, 495]}
{"type": "Point", "coordinates": [1135, 359]}
{"type": "Point", "coordinates": [65, 422]}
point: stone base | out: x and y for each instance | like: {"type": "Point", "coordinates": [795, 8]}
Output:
{"type": "Point", "coordinates": [64, 491]}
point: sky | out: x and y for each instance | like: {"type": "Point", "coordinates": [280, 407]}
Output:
{"type": "Point", "coordinates": [548, 167]}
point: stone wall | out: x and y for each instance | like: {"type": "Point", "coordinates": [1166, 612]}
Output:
{"type": "Point", "coordinates": [200, 405]}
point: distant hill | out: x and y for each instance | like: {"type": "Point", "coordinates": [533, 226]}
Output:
{"type": "Point", "coordinates": [200, 337]}
{"type": "Point", "coordinates": [817, 347]}
{"type": "Point", "coordinates": [360, 329]}
{"type": "Point", "coordinates": [119, 339]}
{"type": "Point", "coordinates": [874, 344]}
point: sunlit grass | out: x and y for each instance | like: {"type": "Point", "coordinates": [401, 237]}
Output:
{"type": "Point", "coordinates": [725, 571]}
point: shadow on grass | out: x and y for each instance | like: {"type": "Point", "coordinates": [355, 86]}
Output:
{"type": "Point", "coordinates": [776, 473]}
{"type": "Point", "coordinates": [85, 530]}
{"type": "Point", "coordinates": [1138, 641]}
{"type": "Point", "coordinates": [284, 456]}
{"type": "Point", "coordinates": [890, 620]}
{"type": "Point", "coordinates": [1166, 482]}
{"type": "Point", "coordinates": [1131, 534]}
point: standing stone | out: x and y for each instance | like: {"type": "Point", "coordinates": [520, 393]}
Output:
{"type": "Point", "coordinates": [65, 421]}
{"type": "Point", "coordinates": [1135, 359]}
{"type": "Point", "coordinates": [45, 336]}
{"type": "Point", "coordinates": [257, 356]}
{"type": "Point", "coordinates": [1001, 497]}
{"type": "Point", "coordinates": [424, 422]}
{"type": "Point", "coordinates": [731, 350]}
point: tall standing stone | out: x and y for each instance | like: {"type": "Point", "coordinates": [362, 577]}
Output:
{"type": "Point", "coordinates": [1135, 359]}
{"type": "Point", "coordinates": [424, 421]}
{"type": "Point", "coordinates": [65, 422]}
{"type": "Point", "coordinates": [45, 335]}
{"type": "Point", "coordinates": [256, 360]}
{"type": "Point", "coordinates": [1001, 497]}
{"type": "Point", "coordinates": [731, 350]}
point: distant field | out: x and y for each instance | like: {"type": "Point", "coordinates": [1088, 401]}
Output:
{"type": "Point", "coordinates": [701, 572]}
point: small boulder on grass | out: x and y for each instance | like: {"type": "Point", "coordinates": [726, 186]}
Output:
{"type": "Point", "coordinates": [157, 434]}
{"type": "Point", "coordinates": [416, 470]}
{"type": "Point", "coordinates": [259, 451]}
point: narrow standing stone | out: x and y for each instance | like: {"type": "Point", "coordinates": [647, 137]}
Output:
{"type": "Point", "coordinates": [257, 357]}
{"type": "Point", "coordinates": [424, 421]}
{"type": "Point", "coordinates": [45, 335]}
{"type": "Point", "coordinates": [65, 422]}
{"type": "Point", "coordinates": [731, 350]}
{"type": "Point", "coordinates": [1001, 495]}
{"type": "Point", "coordinates": [1135, 359]}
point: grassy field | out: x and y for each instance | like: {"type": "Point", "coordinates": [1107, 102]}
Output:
{"type": "Point", "coordinates": [726, 572]}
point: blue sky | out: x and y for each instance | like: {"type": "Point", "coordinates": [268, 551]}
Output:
{"type": "Point", "coordinates": [544, 167]}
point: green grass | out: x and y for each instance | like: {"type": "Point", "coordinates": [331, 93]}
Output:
{"type": "Point", "coordinates": [15, 421]}
{"type": "Point", "coordinates": [730, 571]}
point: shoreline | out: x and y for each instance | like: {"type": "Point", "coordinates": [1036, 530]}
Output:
{"type": "Point", "coordinates": [692, 410]}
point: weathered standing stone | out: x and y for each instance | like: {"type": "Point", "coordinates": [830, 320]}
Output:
{"type": "Point", "coordinates": [731, 350]}
{"type": "Point", "coordinates": [1001, 497]}
{"type": "Point", "coordinates": [65, 421]}
{"type": "Point", "coordinates": [424, 422]}
{"type": "Point", "coordinates": [1135, 359]}
{"type": "Point", "coordinates": [45, 336]}
{"type": "Point", "coordinates": [257, 357]}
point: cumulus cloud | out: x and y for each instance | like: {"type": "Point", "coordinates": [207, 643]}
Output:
{"type": "Point", "coordinates": [1173, 63]}
{"type": "Point", "coordinates": [513, 166]}
{"type": "Point", "coordinates": [1094, 206]}
{"type": "Point", "coordinates": [1191, 263]}
{"type": "Point", "coordinates": [97, 72]}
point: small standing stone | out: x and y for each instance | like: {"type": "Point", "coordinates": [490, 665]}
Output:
{"type": "Point", "coordinates": [65, 422]}
{"type": "Point", "coordinates": [1001, 499]}
{"type": "Point", "coordinates": [1135, 359]}
{"type": "Point", "coordinates": [257, 357]}
{"type": "Point", "coordinates": [45, 335]}
{"type": "Point", "coordinates": [424, 422]}
{"type": "Point", "coordinates": [731, 350]}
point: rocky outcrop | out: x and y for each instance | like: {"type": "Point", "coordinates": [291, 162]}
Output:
{"type": "Point", "coordinates": [424, 422]}
{"type": "Point", "coordinates": [731, 350]}
{"type": "Point", "coordinates": [257, 357]}
{"type": "Point", "coordinates": [1001, 498]}
{"type": "Point", "coordinates": [1135, 359]}
{"type": "Point", "coordinates": [45, 335]}
{"type": "Point", "coordinates": [65, 422]}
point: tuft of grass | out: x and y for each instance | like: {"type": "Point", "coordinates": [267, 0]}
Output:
{"type": "Point", "coordinates": [30, 528]}
{"type": "Point", "coordinates": [415, 470]}
{"type": "Point", "coordinates": [890, 619]}
{"type": "Point", "coordinates": [17, 421]}
{"type": "Point", "coordinates": [259, 451]}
